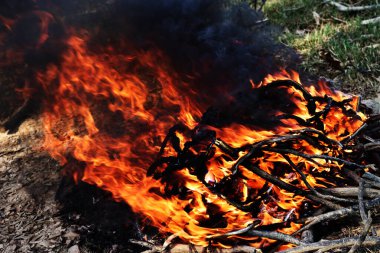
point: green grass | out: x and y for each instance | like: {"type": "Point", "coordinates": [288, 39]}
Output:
{"type": "Point", "coordinates": [339, 47]}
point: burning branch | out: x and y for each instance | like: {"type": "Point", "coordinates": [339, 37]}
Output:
{"type": "Point", "coordinates": [314, 134]}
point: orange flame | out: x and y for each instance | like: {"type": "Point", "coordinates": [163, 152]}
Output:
{"type": "Point", "coordinates": [143, 98]}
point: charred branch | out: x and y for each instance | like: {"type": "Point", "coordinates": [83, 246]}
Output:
{"type": "Point", "coordinates": [313, 191]}
{"type": "Point", "coordinates": [291, 188]}
{"type": "Point", "coordinates": [312, 157]}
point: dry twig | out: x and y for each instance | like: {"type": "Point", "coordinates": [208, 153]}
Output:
{"type": "Point", "coordinates": [363, 235]}
{"type": "Point", "coordinates": [275, 236]}
{"type": "Point", "coordinates": [350, 192]}
{"type": "Point", "coordinates": [371, 21]}
{"type": "Point", "coordinates": [350, 8]}
{"type": "Point", "coordinates": [338, 214]}
{"type": "Point", "coordinates": [334, 244]}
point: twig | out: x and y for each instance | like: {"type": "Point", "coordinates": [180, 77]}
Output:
{"type": "Point", "coordinates": [361, 201]}
{"type": "Point", "coordinates": [236, 232]}
{"type": "Point", "coordinates": [363, 235]}
{"type": "Point", "coordinates": [152, 248]}
{"type": "Point", "coordinates": [372, 177]}
{"type": "Point", "coordinates": [275, 236]}
{"type": "Point", "coordinates": [371, 21]}
{"type": "Point", "coordinates": [168, 242]}
{"type": "Point", "coordinates": [372, 146]}
{"type": "Point", "coordinates": [334, 244]}
{"type": "Point", "coordinates": [311, 106]}
{"type": "Point", "coordinates": [348, 8]}
{"type": "Point", "coordinates": [260, 233]}
{"type": "Point", "coordinates": [316, 193]}
{"type": "Point", "coordinates": [372, 183]}
{"type": "Point", "coordinates": [290, 188]}
{"type": "Point", "coordinates": [181, 248]}
{"type": "Point", "coordinates": [351, 174]}
{"type": "Point", "coordinates": [350, 192]}
{"type": "Point", "coordinates": [325, 157]}
{"type": "Point", "coordinates": [352, 136]}
{"type": "Point", "coordinates": [338, 214]}
{"type": "Point", "coordinates": [255, 147]}
{"type": "Point", "coordinates": [12, 122]}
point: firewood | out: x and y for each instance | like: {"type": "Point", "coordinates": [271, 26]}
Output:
{"type": "Point", "coordinates": [334, 244]}
{"type": "Point", "coordinates": [338, 214]}
{"type": "Point", "coordinates": [363, 235]}
{"type": "Point", "coordinates": [350, 192]}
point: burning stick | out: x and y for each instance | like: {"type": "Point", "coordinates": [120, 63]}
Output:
{"type": "Point", "coordinates": [313, 135]}
{"type": "Point", "coordinates": [181, 248]}
{"type": "Point", "coordinates": [248, 231]}
{"type": "Point", "coordinates": [316, 193]}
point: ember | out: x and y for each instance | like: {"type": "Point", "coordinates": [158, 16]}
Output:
{"type": "Point", "coordinates": [246, 172]}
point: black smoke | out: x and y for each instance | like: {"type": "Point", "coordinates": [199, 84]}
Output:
{"type": "Point", "coordinates": [214, 45]}
{"type": "Point", "coordinates": [220, 43]}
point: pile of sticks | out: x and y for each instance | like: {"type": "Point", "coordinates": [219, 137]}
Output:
{"type": "Point", "coordinates": [356, 196]}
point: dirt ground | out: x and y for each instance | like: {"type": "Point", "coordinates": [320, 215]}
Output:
{"type": "Point", "coordinates": [28, 184]}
